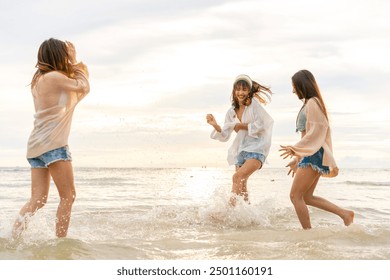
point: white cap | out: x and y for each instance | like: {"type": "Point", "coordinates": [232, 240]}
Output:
{"type": "Point", "coordinates": [245, 78]}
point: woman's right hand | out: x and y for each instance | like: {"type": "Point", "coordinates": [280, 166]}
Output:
{"type": "Point", "coordinates": [211, 120]}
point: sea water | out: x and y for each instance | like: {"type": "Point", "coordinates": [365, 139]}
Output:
{"type": "Point", "coordinates": [183, 213]}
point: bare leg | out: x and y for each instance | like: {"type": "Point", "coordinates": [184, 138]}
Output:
{"type": "Point", "coordinates": [40, 184]}
{"type": "Point", "coordinates": [240, 178]}
{"type": "Point", "coordinates": [326, 205]}
{"type": "Point", "coordinates": [62, 174]}
{"type": "Point", "coordinates": [301, 195]}
{"type": "Point", "coordinates": [304, 179]}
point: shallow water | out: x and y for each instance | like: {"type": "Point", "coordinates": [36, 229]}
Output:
{"type": "Point", "coordinates": [181, 214]}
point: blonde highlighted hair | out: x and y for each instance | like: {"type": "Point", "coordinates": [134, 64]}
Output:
{"type": "Point", "coordinates": [53, 55]}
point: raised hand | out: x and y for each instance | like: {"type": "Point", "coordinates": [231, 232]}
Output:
{"type": "Point", "coordinates": [286, 152]}
{"type": "Point", "coordinates": [211, 120]}
{"type": "Point", "coordinates": [71, 52]}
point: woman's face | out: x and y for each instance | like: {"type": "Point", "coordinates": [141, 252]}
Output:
{"type": "Point", "coordinates": [241, 94]}
{"type": "Point", "coordinates": [293, 89]}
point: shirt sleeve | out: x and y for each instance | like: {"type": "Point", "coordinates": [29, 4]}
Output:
{"type": "Point", "coordinates": [317, 127]}
{"type": "Point", "coordinates": [227, 128]}
{"type": "Point", "coordinates": [82, 84]}
{"type": "Point", "coordinates": [262, 120]}
{"type": "Point", "coordinates": [77, 86]}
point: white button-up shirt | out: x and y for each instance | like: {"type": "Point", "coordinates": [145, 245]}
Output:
{"type": "Point", "coordinates": [256, 139]}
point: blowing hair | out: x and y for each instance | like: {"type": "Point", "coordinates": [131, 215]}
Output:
{"type": "Point", "coordinates": [52, 56]}
{"type": "Point", "coordinates": [260, 92]}
{"type": "Point", "coordinates": [306, 87]}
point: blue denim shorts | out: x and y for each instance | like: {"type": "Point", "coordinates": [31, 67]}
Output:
{"type": "Point", "coordinates": [44, 160]}
{"type": "Point", "coordinates": [315, 161]}
{"type": "Point", "coordinates": [244, 156]}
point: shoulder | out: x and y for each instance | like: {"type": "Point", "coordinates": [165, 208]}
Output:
{"type": "Point", "coordinates": [231, 111]}
{"type": "Point", "coordinates": [55, 76]}
{"type": "Point", "coordinates": [59, 79]}
{"type": "Point", "coordinates": [314, 111]}
{"type": "Point", "coordinates": [50, 79]}
{"type": "Point", "coordinates": [311, 101]}
{"type": "Point", "coordinates": [257, 105]}
{"type": "Point", "coordinates": [255, 102]}
{"type": "Point", "coordinates": [312, 104]}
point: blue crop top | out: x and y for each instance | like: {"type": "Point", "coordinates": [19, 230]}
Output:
{"type": "Point", "coordinates": [301, 120]}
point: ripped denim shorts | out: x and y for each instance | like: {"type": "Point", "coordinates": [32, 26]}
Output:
{"type": "Point", "coordinates": [315, 162]}
{"type": "Point", "coordinates": [44, 160]}
{"type": "Point", "coordinates": [243, 156]}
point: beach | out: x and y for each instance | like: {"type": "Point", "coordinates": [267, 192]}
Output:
{"type": "Point", "coordinates": [182, 214]}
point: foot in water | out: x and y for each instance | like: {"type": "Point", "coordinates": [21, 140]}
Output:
{"type": "Point", "coordinates": [348, 217]}
{"type": "Point", "coordinates": [218, 216]}
{"type": "Point", "coordinates": [20, 226]}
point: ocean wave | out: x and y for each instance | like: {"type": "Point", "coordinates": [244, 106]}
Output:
{"type": "Point", "coordinates": [367, 183]}
{"type": "Point", "coordinates": [256, 231]}
{"type": "Point", "coordinates": [45, 249]}
{"type": "Point", "coordinates": [167, 214]}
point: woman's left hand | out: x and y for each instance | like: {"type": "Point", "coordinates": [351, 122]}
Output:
{"type": "Point", "coordinates": [71, 52]}
{"type": "Point", "coordinates": [240, 126]}
{"type": "Point", "coordinates": [293, 165]}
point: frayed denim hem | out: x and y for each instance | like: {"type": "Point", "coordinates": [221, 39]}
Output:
{"type": "Point", "coordinates": [317, 168]}
{"type": "Point", "coordinates": [243, 156]}
{"type": "Point", "coordinates": [47, 165]}
{"type": "Point", "coordinates": [60, 159]}
{"type": "Point", "coordinates": [50, 157]}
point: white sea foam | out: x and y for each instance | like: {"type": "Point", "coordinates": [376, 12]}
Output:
{"type": "Point", "coordinates": [185, 214]}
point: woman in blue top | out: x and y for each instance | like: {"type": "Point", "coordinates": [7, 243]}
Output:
{"type": "Point", "coordinates": [253, 126]}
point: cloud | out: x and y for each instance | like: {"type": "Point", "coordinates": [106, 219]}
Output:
{"type": "Point", "coordinates": [158, 67]}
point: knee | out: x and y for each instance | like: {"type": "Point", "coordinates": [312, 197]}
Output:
{"type": "Point", "coordinates": [72, 197]}
{"type": "Point", "coordinates": [308, 199]}
{"type": "Point", "coordinates": [69, 197]}
{"type": "Point", "coordinates": [295, 197]}
{"type": "Point", "coordinates": [292, 197]}
{"type": "Point", "coordinates": [238, 179]}
{"type": "Point", "coordinates": [238, 183]}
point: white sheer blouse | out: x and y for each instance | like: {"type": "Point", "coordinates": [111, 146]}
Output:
{"type": "Point", "coordinates": [256, 139]}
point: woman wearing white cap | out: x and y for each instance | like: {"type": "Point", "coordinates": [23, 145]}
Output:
{"type": "Point", "coordinates": [253, 125]}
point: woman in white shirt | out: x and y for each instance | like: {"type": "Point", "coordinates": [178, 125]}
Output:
{"type": "Point", "coordinates": [253, 125]}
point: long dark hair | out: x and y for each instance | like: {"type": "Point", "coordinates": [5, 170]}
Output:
{"type": "Point", "coordinates": [52, 56]}
{"type": "Point", "coordinates": [260, 92]}
{"type": "Point", "coordinates": [306, 87]}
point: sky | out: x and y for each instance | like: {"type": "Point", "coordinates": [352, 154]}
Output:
{"type": "Point", "coordinates": [158, 67]}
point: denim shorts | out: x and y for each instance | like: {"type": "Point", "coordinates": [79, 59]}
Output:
{"type": "Point", "coordinates": [315, 161]}
{"type": "Point", "coordinates": [244, 156]}
{"type": "Point", "coordinates": [44, 160]}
